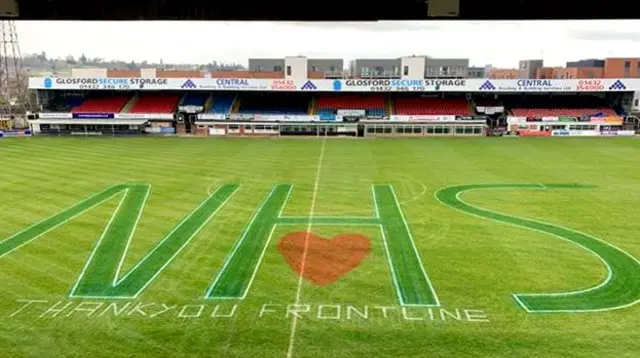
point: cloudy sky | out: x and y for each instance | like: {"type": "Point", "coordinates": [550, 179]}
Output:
{"type": "Point", "coordinates": [500, 44]}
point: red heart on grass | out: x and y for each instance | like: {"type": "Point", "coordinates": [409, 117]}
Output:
{"type": "Point", "coordinates": [326, 260]}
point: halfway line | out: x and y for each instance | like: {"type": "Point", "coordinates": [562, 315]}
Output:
{"type": "Point", "coordinates": [294, 320]}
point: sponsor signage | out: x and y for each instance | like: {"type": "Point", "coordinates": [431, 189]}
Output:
{"type": "Point", "coordinates": [351, 112]}
{"type": "Point", "coordinates": [590, 85]}
{"type": "Point", "coordinates": [532, 133]}
{"type": "Point", "coordinates": [490, 110]}
{"type": "Point", "coordinates": [217, 131]}
{"type": "Point", "coordinates": [168, 116]}
{"type": "Point", "coordinates": [191, 109]}
{"type": "Point", "coordinates": [97, 83]}
{"type": "Point", "coordinates": [626, 133]}
{"type": "Point", "coordinates": [283, 85]}
{"type": "Point", "coordinates": [337, 85]}
{"type": "Point", "coordinates": [285, 118]}
{"type": "Point", "coordinates": [516, 120]}
{"type": "Point", "coordinates": [610, 120]}
{"type": "Point", "coordinates": [212, 116]}
{"type": "Point", "coordinates": [404, 85]}
{"type": "Point", "coordinates": [93, 115]}
{"type": "Point", "coordinates": [237, 84]}
{"type": "Point", "coordinates": [542, 86]}
{"type": "Point", "coordinates": [422, 118]}
{"type": "Point", "coordinates": [51, 115]}
{"type": "Point", "coordinates": [241, 117]}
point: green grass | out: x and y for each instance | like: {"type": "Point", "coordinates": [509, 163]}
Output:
{"type": "Point", "coordinates": [475, 262]}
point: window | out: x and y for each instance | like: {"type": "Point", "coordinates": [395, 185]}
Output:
{"type": "Point", "coordinates": [364, 71]}
{"type": "Point", "coordinates": [627, 64]}
{"type": "Point", "coordinates": [379, 70]}
{"type": "Point", "coordinates": [277, 68]}
{"type": "Point", "coordinates": [314, 69]}
{"type": "Point", "coordinates": [288, 70]}
{"type": "Point", "coordinates": [405, 71]}
{"type": "Point", "coordinates": [332, 69]}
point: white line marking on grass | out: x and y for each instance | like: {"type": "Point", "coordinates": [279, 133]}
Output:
{"type": "Point", "coordinates": [59, 224]}
{"type": "Point", "coordinates": [515, 295]}
{"type": "Point", "coordinates": [294, 320]}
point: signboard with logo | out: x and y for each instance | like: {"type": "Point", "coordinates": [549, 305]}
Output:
{"type": "Point", "coordinates": [191, 109]}
{"type": "Point", "coordinates": [93, 115]}
{"type": "Point", "coordinates": [285, 118]}
{"type": "Point", "coordinates": [52, 115]}
{"type": "Point", "coordinates": [338, 85]}
{"type": "Point", "coordinates": [167, 116]}
{"type": "Point", "coordinates": [422, 118]}
{"type": "Point", "coordinates": [212, 116]}
{"type": "Point", "coordinates": [351, 112]}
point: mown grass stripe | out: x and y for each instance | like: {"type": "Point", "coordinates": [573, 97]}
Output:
{"type": "Point", "coordinates": [36, 230]}
{"type": "Point", "coordinates": [413, 283]}
{"type": "Point", "coordinates": [100, 278]}
{"type": "Point", "coordinates": [242, 264]}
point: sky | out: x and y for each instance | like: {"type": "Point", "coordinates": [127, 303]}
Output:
{"type": "Point", "coordinates": [497, 43]}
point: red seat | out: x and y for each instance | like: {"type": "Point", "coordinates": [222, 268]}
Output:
{"type": "Point", "coordinates": [351, 102]}
{"type": "Point", "coordinates": [432, 106]}
{"type": "Point", "coordinates": [101, 105]}
{"type": "Point", "coordinates": [156, 103]}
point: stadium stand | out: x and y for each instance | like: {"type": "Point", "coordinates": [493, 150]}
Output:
{"type": "Point", "coordinates": [432, 106]}
{"type": "Point", "coordinates": [102, 105]}
{"type": "Point", "coordinates": [547, 106]}
{"type": "Point", "coordinates": [156, 103]}
{"type": "Point", "coordinates": [274, 103]}
{"type": "Point", "coordinates": [222, 103]}
{"type": "Point", "coordinates": [372, 104]}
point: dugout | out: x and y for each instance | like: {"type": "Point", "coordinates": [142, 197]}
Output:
{"type": "Point", "coordinates": [261, 129]}
{"type": "Point", "coordinates": [467, 128]}
{"type": "Point", "coordinates": [91, 127]}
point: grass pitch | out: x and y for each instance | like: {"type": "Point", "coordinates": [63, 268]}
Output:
{"type": "Point", "coordinates": [475, 263]}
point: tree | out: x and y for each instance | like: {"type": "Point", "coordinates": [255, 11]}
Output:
{"type": "Point", "coordinates": [70, 60]}
{"type": "Point", "coordinates": [83, 59]}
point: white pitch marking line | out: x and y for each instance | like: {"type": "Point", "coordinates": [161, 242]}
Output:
{"type": "Point", "coordinates": [294, 320]}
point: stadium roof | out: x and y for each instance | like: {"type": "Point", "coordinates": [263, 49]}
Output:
{"type": "Point", "coordinates": [321, 10]}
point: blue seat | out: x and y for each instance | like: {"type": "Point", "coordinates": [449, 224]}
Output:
{"type": "Point", "coordinates": [222, 103]}
{"type": "Point", "coordinates": [194, 99]}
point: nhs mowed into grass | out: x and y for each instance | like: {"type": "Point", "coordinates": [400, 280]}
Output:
{"type": "Point", "coordinates": [158, 253]}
